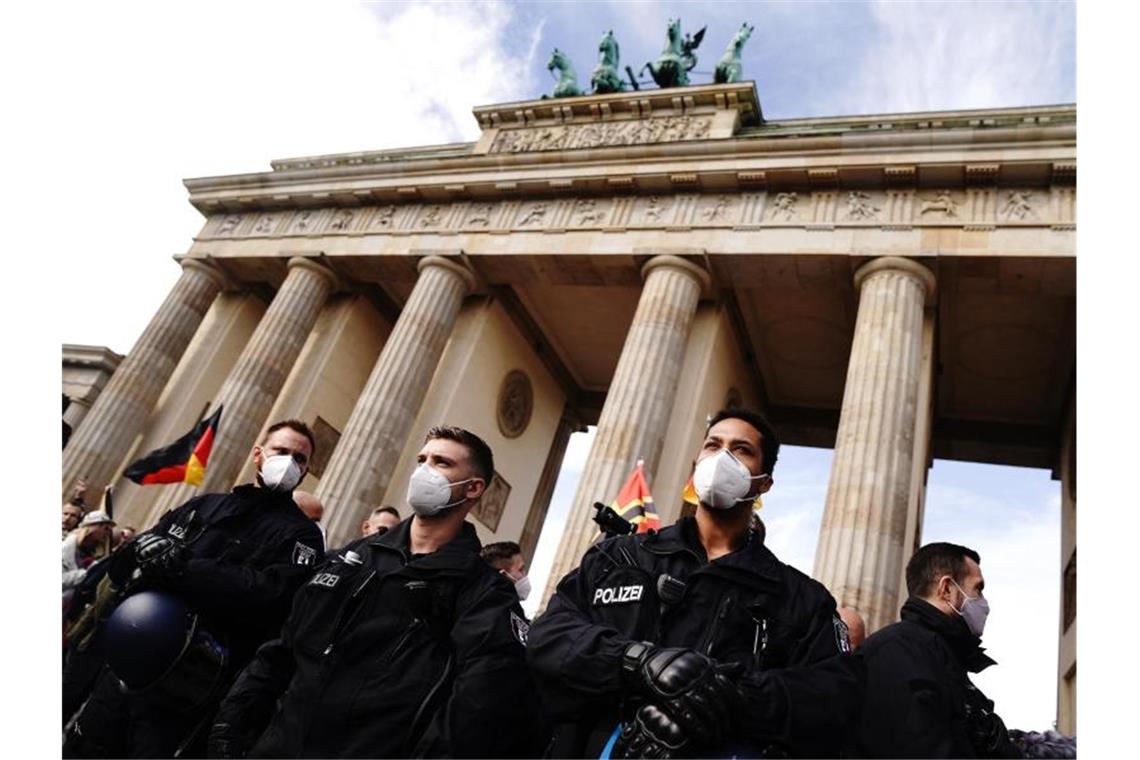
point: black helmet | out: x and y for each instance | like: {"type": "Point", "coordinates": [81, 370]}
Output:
{"type": "Point", "coordinates": [154, 644]}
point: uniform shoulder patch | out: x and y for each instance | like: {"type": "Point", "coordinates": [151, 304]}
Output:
{"type": "Point", "coordinates": [520, 628]}
{"type": "Point", "coordinates": [303, 554]}
{"type": "Point", "coordinates": [842, 641]}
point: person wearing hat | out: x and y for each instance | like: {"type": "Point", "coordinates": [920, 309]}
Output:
{"type": "Point", "coordinates": [80, 547]}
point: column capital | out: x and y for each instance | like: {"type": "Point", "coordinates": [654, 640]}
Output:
{"type": "Point", "coordinates": [676, 262]}
{"type": "Point", "coordinates": [206, 267]}
{"type": "Point", "coordinates": [458, 268]}
{"type": "Point", "coordinates": [898, 264]}
{"type": "Point", "coordinates": [302, 262]}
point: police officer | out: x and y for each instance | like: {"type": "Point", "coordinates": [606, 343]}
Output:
{"type": "Point", "coordinates": [663, 644]}
{"type": "Point", "coordinates": [403, 644]}
{"type": "Point", "coordinates": [220, 568]}
{"type": "Point", "coordinates": [920, 700]}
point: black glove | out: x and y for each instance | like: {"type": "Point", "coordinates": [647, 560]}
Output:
{"type": "Point", "coordinates": [221, 743]}
{"type": "Point", "coordinates": [159, 556]}
{"type": "Point", "coordinates": [651, 733]}
{"type": "Point", "coordinates": [988, 733]}
{"type": "Point", "coordinates": [695, 691]}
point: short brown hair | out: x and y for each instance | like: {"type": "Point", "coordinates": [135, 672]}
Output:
{"type": "Point", "coordinates": [497, 555]}
{"type": "Point", "coordinates": [933, 561]}
{"type": "Point", "coordinates": [385, 508]}
{"type": "Point", "coordinates": [296, 426]}
{"type": "Point", "coordinates": [481, 458]}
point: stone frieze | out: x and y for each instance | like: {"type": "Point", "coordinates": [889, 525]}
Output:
{"type": "Point", "coordinates": [631, 132]}
{"type": "Point", "coordinates": [968, 208]}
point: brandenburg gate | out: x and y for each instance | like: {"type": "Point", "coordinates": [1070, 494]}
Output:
{"type": "Point", "coordinates": [899, 287]}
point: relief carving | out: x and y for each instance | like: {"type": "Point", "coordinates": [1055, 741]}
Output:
{"type": "Point", "coordinates": [640, 132]}
{"type": "Point", "coordinates": [654, 208]}
{"type": "Point", "coordinates": [586, 212]}
{"type": "Point", "coordinates": [341, 220]}
{"type": "Point", "coordinates": [535, 215]}
{"type": "Point", "coordinates": [229, 224]}
{"type": "Point", "coordinates": [719, 210]}
{"type": "Point", "coordinates": [859, 206]}
{"type": "Point", "coordinates": [480, 215]}
{"type": "Point", "coordinates": [516, 403]}
{"type": "Point", "coordinates": [383, 218]}
{"type": "Point", "coordinates": [304, 221]}
{"type": "Point", "coordinates": [1017, 205]}
{"type": "Point", "coordinates": [785, 205]}
{"type": "Point", "coordinates": [265, 224]}
{"type": "Point", "coordinates": [942, 203]}
{"type": "Point", "coordinates": [431, 216]}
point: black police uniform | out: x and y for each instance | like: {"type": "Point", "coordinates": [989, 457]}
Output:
{"type": "Point", "coordinates": [246, 553]}
{"type": "Point", "coordinates": [920, 701]}
{"type": "Point", "coordinates": [390, 654]}
{"type": "Point", "coordinates": [745, 607]}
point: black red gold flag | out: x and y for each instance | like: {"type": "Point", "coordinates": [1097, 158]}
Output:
{"type": "Point", "coordinates": [183, 461]}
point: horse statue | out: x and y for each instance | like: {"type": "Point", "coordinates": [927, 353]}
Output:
{"type": "Point", "coordinates": [605, 77]}
{"type": "Point", "coordinates": [672, 67]}
{"type": "Point", "coordinates": [567, 86]}
{"type": "Point", "coordinates": [729, 68]}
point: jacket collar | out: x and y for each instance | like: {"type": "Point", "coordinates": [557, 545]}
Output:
{"type": "Point", "coordinates": [965, 645]}
{"type": "Point", "coordinates": [263, 497]}
{"type": "Point", "coordinates": [456, 554]}
{"type": "Point", "coordinates": [752, 561]}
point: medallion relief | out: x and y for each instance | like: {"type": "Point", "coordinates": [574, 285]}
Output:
{"type": "Point", "coordinates": [515, 404]}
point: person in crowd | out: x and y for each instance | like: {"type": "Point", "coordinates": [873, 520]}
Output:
{"type": "Point", "coordinates": [81, 546]}
{"type": "Point", "coordinates": [696, 641]}
{"type": "Point", "coordinates": [382, 520]}
{"type": "Point", "coordinates": [856, 626]}
{"type": "Point", "coordinates": [310, 504]}
{"type": "Point", "coordinates": [920, 701]}
{"type": "Point", "coordinates": [404, 644]}
{"type": "Point", "coordinates": [74, 508]}
{"type": "Point", "coordinates": [72, 515]}
{"type": "Point", "coordinates": [121, 535]}
{"type": "Point", "coordinates": [205, 587]}
{"type": "Point", "coordinates": [506, 557]}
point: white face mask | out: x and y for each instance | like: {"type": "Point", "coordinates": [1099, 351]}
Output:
{"type": "Point", "coordinates": [974, 611]}
{"type": "Point", "coordinates": [722, 481]}
{"type": "Point", "coordinates": [428, 491]}
{"type": "Point", "coordinates": [280, 473]}
{"type": "Point", "coordinates": [522, 588]}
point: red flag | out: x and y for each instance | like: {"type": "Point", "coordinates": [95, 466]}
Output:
{"type": "Point", "coordinates": [635, 504]}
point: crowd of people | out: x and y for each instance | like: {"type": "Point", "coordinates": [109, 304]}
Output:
{"type": "Point", "coordinates": [230, 630]}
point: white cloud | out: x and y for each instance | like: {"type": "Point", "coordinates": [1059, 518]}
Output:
{"type": "Point", "coordinates": [929, 56]}
{"type": "Point", "coordinates": [130, 98]}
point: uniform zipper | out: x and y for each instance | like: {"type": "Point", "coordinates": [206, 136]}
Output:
{"type": "Point", "coordinates": [341, 622]}
{"type": "Point", "coordinates": [714, 627]}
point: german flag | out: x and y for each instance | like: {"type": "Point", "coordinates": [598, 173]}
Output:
{"type": "Point", "coordinates": [635, 504]}
{"type": "Point", "coordinates": [183, 461]}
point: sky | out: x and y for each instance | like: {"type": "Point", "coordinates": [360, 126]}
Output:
{"type": "Point", "coordinates": [117, 103]}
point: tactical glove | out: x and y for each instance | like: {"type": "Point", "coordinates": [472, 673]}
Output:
{"type": "Point", "coordinates": [159, 556]}
{"type": "Point", "coordinates": [695, 691]}
{"type": "Point", "coordinates": [651, 733]}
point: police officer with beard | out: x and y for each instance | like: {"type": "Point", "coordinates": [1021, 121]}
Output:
{"type": "Point", "coordinates": [696, 641]}
{"type": "Point", "coordinates": [403, 643]}
{"type": "Point", "coordinates": [193, 598]}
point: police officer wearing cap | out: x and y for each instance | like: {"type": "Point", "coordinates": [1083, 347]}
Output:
{"type": "Point", "coordinates": [190, 602]}
{"type": "Point", "coordinates": [403, 644]}
{"type": "Point", "coordinates": [696, 641]}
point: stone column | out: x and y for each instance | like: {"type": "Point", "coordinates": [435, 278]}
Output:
{"type": "Point", "coordinates": [254, 382]}
{"type": "Point", "coordinates": [861, 544]}
{"type": "Point", "coordinates": [640, 398]}
{"type": "Point", "coordinates": [117, 416]}
{"type": "Point", "coordinates": [361, 467]}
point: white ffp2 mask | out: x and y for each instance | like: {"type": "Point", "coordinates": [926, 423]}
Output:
{"type": "Point", "coordinates": [722, 481]}
{"type": "Point", "coordinates": [429, 491]}
{"type": "Point", "coordinates": [280, 473]}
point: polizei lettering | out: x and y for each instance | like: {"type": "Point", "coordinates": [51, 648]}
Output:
{"type": "Point", "coordinates": [617, 595]}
